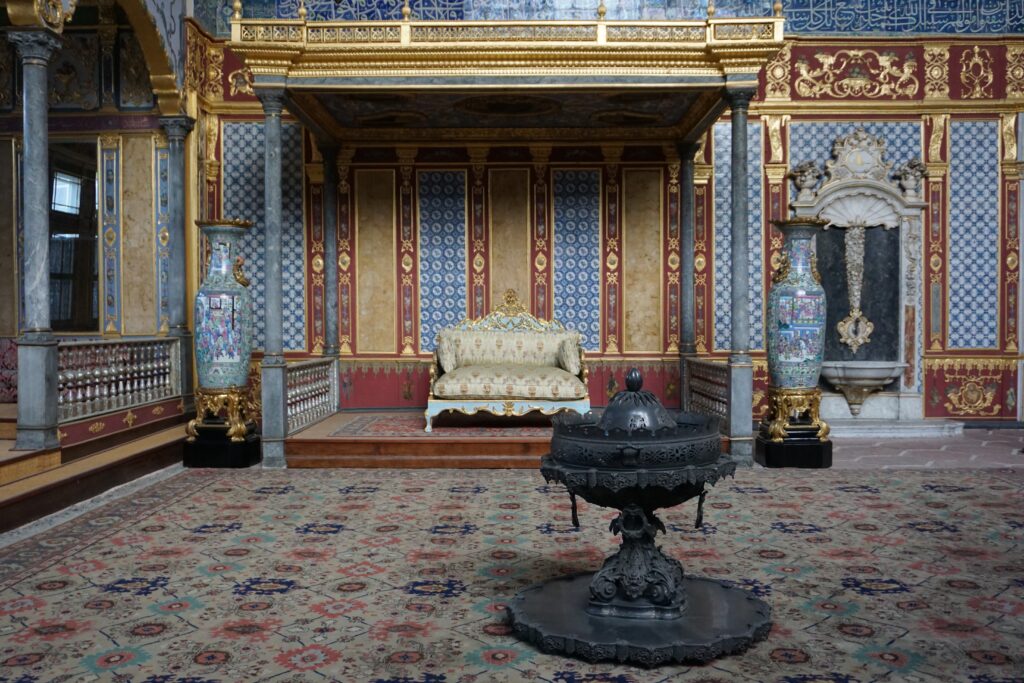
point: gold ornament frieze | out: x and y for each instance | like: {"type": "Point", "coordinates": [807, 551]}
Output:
{"type": "Point", "coordinates": [1015, 72]}
{"type": "Point", "coordinates": [656, 34]}
{"type": "Point", "coordinates": [460, 33]}
{"type": "Point", "coordinates": [744, 31]}
{"type": "Point", "coordinates": [936, 72]}
{"type": "Point", "coordinates": [48, 14]}
{"type": "Point", "coordinates": [354, 34]}
{"type": "Point", "coordinates": [856, 74]}
{"type": "Point", "coordinates": [973, 397]}
{"type": "Point", "coordinates": [976, 73]}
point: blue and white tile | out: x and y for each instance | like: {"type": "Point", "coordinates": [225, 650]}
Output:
{"type": "Point", "coordinates": [243, 198]}
{"type": "Point", "coordinates": [576, 278]}
{"type": "Point", "coordinates": [723, 237]}
{"type": "Point", "coordinates": [442, 204]}
{"type": "Point", "coordinates": [974, 235]}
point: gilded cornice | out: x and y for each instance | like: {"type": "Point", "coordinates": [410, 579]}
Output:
{"type": "Point", "coordinates": [332, 51]}
{"type": "Point", "coordinates": [40, 14]}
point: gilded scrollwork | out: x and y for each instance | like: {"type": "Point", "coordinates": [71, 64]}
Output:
{"type": "Point", "coordinates": [1015, 72]}
{"type": "Point", "coordinates": [1008, 129]}
{"type": "Point", "coordinates": [938, 133]}
{"type": "Point", "coordinates": [787, 406]}
{"type": "Point", "coordinates": [855, 329]}
{"type": "Point", "coordinates": [777, 74]}
{"type": "Point", "coordinates": [976, 73]}
{"type": "Point", "coordinates": [241, 83]}
{"type": "Point", "coordinates": [856, 74]}
{"type": "Point", "coordinates": [936, 72]}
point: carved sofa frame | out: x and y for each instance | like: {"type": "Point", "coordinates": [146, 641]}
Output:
{"type": "Point", "coordinates": [510, 316]}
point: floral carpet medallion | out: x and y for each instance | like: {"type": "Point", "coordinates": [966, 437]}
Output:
{"type": "Point", "coordinates": [400, 577]}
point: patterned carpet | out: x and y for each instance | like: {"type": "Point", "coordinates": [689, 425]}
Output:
{"type": "Point", "coordinates": [446, 426]}
{"type": "Point", "coordinates": [399, 576]}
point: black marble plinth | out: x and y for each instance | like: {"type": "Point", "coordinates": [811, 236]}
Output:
{"type": "Point", "coordinates": [213, 448]}
{"type": "Point", "coordinates": [718, 620]}
{"type": "Point", "coordinates": [801, 448]}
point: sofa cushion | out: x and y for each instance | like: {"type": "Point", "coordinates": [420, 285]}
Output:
{"type": "Point", "coordinates": [446, 353]}
{"type": "Point", "coordinates": [509, 382]}
{"type": "Point", "coordinates": [569, 355]}
{"type": "Point", "coordinates": [474, 347]}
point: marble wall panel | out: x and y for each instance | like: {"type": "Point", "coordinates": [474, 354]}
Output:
{"type": "Point", "coordinates": [509, 203]}
{"type": "Point", "coordinates": [138, 276]}
{"type": "Point", "coordinates": [642, 214]}
{"type": "Point", "coordinates": [376, 290]}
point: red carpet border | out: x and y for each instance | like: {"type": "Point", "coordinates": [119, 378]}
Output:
{"type": "Point", "coordinates": [400, 576]}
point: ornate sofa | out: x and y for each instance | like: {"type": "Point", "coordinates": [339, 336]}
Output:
{"type": "Point", "coordinates": [507, 363]}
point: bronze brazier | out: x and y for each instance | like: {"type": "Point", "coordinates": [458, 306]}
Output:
{"type": "Point", "coordinates": [640, 607]}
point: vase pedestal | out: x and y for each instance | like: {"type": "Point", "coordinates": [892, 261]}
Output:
{"type": "Point", "coordinates": [212, 448]}
{"type": "Point", "coordinates": [223, 433]}
{"type": "Point", "coordinates": [792, 433]}
{"type": "Point", "coordinates": [801, 448]}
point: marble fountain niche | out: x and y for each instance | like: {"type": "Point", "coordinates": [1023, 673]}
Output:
{"type": "Point", "coordinates": [869, 257]}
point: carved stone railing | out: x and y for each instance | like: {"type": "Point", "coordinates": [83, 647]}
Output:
{"type": "Point", "coordinates": [312, 392]}
{"type": "Point", "coordinates": [724, 390]}
{"type": "Point", "coordinates": [104, 375]}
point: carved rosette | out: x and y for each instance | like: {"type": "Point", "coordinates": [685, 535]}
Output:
{"type": "Point", "coordinates": [936, 72]}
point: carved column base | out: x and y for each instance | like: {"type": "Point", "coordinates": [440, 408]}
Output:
{"type": "Point", "coordinates": [223, 408]}
{"type": "Point", "coordinates": [788, 408]}
{"type": "Point", "coordinates": [639, 581]}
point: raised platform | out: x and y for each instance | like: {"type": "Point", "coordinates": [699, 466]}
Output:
{"type": "Point", "coordinates": [397, 439]}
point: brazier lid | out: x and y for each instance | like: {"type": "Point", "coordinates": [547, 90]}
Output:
{"type": "Point", "coordinates": [634, 409]}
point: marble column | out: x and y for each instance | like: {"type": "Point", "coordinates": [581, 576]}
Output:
{"type": "Point", "coordinates": [37, 347]}
{"type": "Point", "coordinates": [329, 153]}
{"type": "Point", "coordinates": [274, 373]}
{"type": "Point", "coordinates": [741, 370]}
{"type": "Point", "coordinates": [686, 250]}
{"type": "Point", "coordinates": [177, 129]}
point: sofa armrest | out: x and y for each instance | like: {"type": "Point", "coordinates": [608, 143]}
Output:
{"type": "Point", "coordinates": [584, 370]}
{"type": "Point", "coordinates": [435, 372]}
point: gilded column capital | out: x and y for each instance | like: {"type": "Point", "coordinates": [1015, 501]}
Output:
{"type": "Point", "coordinates": [34, 47]}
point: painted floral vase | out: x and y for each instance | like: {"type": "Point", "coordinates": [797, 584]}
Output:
{"type": "Point", "coordinates": [223, 312]}
{"type": "Point", "coordinates": [796, 310]}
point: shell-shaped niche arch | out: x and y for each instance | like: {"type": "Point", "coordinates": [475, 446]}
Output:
{"type": "Point", "coordinates": [862, 207]}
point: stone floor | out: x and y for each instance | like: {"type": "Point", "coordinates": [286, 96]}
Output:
{"type": "Point", "coordinates": [976, 449]}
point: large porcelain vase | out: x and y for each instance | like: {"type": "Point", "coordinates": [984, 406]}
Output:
{"type": "Point", "coordinates": [796, 310]}
{"type": "Point", "coordinates": [223, 311]}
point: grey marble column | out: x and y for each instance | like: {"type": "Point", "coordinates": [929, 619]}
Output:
{"type": "Point", "coordinates": [739, 100]}
{"type": "Point", "coordinates": [741, 370]}
{"type": "Point", "coordinates": [686, 220]}
{"type": "Point", "coordinates": [274, 375]}
{"type": "Point", "coordinates": [330, 154]}
{"type": "Point", "coordinates": [37, 347]}
{"type": "Point", "coordinates": [177, 129]}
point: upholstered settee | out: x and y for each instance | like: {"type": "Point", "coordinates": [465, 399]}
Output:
{"type": "Point", "coordinates": [507, 363]}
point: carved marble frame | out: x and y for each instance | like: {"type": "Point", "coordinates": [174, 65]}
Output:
{"type": "Point", "coordinates": [874, 196]}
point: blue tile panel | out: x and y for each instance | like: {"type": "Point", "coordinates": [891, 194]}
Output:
{"type": "Point", "coordinates": [243, 198]}
{"type": "Point", "coordinates": [723, 236]}
{"type": "Point", "coordinates": [812, 140]}
{"type": "Point", "coordinates": [576, 280]}
{"type": "Point", "coordinates": [974, 235]}
{"type": "Point", "coordinates": [442, 209]}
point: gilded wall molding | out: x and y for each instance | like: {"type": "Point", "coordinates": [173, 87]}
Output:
{"type": "Point", "coordinates": [936, 72]}
{"type": "Point", "coordinates": [1015, 71]}
{"type": "Point", "coordinates": [777, 75]}
{"type": "Point", "coordinates": [976, 73]}
{"type": "Point", "coordinates": [857, 74]}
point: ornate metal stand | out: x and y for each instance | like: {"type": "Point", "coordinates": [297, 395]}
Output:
{"type": "Point", "coordinates": [788, 408]}
{"type": "Point", "coordinates": [234, 403]}
{"type": "Point", "coordinates": [793, 434]}
{"type": "Point", "coordinates": [223, 433]}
